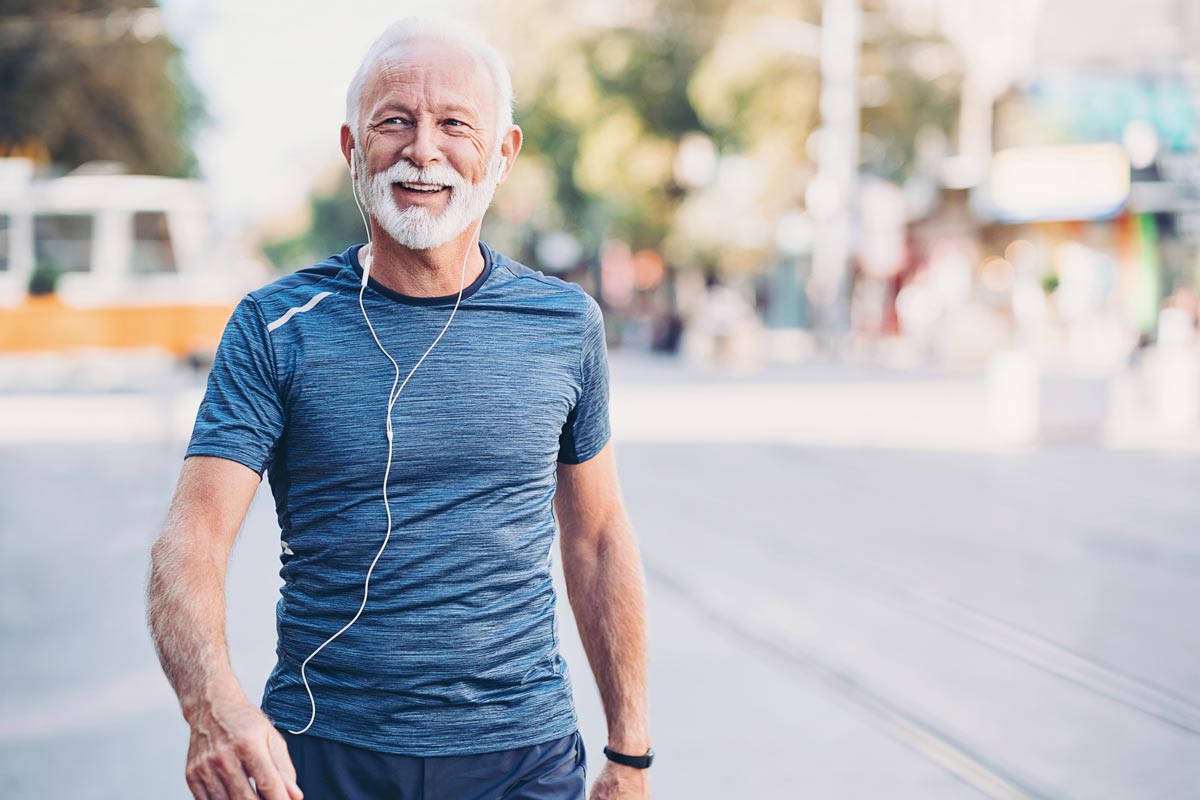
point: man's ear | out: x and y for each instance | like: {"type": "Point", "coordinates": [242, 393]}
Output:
{"type": "Point", "coordinates": [510, 145]}
{"type": "Point", "coordinates": [348, 148]}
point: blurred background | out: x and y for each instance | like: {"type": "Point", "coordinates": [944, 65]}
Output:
{"type": "Point", "coordinates": [902, 305]}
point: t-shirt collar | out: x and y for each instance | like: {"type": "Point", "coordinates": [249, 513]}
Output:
{"type": "Point", "coordinates": [350, 256]}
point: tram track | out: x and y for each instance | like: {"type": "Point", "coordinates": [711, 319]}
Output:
{"type": "Point", "coordinates": [883, 587]}
{"type": "Point", "coordinates": [987, 776]}
{"type": "Point", "coordinates": [767, 634]}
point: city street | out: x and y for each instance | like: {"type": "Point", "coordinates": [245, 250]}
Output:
{"type": "Point", "coordinates": [901, 305]}
{"type": "Point", "coordinates": [833, 614]}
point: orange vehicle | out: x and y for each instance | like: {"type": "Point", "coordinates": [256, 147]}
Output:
{"type": "Point", "coordinates": [99, 259]}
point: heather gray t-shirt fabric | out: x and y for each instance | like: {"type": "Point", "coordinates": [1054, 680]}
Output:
{"type": "Point", "coordinates": [457, 650]}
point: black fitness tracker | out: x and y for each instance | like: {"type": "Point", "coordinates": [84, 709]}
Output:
{"type": "Point", "coordinates": [637, 762]}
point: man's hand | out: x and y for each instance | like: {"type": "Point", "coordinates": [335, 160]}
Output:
{"type": "Point", "coordinates": [618, 782]}
{"type": "Point", "coordinates": [232, 742]}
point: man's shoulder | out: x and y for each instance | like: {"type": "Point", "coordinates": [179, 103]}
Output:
{"type": "Point", "coordinates": [524, 278]}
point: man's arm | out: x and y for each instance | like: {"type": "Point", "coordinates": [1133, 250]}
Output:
{"type": "Point", "coordinates": [606, 588]}
{"type": "Point", "coordinates": [232, 741]}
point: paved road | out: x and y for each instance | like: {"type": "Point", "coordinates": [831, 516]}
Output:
{"type": "Point", "coordinates": [826, 622]}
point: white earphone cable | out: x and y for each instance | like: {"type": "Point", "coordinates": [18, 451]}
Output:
{"type": "Point", "coordinates": [393, 395]}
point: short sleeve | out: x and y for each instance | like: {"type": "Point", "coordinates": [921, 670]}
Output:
{"type": "Point", "coordinates": [241, 416]}
{"type": "Point", "coordinates": [587, 428]}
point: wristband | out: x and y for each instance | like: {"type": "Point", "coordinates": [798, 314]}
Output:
{"type": "Point", "coordinates": [637, 762]}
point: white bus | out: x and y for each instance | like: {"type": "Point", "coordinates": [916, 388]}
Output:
{"type": "Point", "coordinates": [99, 259]}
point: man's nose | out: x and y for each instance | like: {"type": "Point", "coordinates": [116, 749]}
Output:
{"type": "Point", "coordinates": [422, 149]}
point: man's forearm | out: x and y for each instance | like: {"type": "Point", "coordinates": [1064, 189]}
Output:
{"type": "Point", "coordinates": [606, 587]}
{"type": "Point", "coordinates": [185, 606]}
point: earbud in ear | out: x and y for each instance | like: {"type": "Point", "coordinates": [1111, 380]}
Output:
{"type": "Point", "coordinates": [353, 167]}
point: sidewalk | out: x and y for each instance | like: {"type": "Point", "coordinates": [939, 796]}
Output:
{"type": "Point", "coordinates": [657, 400]}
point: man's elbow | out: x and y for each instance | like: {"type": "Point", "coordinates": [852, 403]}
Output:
{"type": "Point", "coordinates": [168, 550]}
{"type": "Point", "coordinates": [168, 557]}
{"type": "Point", "coordinates": [611, 536]}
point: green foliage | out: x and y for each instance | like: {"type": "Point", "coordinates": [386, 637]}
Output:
{"type": "Point", "coordinates": [628, 82]}
{"type": "Point", "coordinates": [84, 81]}
{"type": "Point", "coordinates": [606, 106]}
{"type": "Point", "coordinates": [910, 101]}
{"type": "Point", "coordinates": [649, 71]}
{"type": "Point", "coordinates": [335, 223]}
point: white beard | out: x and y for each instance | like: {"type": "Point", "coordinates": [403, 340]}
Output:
{"type": "Point", "coordinates": [416, 227]}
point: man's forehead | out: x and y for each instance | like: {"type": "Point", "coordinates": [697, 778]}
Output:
{"type": "Point", "coordinates": [438, 65]}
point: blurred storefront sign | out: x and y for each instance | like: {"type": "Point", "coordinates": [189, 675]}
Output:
{"type": "Point", "coordinates": [1098, 106]}
{"type": "Point", "coordinates": [1046, 184]}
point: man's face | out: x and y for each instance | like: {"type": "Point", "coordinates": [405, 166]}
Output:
{"type": "Point", "coordinates": [428, 143]}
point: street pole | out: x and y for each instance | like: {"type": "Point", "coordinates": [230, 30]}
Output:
{"type": "Point", "coordinates": [831, 195]}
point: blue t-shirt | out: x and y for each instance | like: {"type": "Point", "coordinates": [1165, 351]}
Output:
{"type": "Point", "coordinates": [457, 649]}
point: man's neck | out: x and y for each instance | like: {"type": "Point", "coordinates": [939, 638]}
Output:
{"type": "Point", "coordinates": [437, 272]}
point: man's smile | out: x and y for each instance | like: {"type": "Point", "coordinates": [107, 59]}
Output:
{"type": "Point", "coordinates": [421, 188]}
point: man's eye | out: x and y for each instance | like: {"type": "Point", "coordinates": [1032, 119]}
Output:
{"type": "Point", "coordinates": [454, 122]}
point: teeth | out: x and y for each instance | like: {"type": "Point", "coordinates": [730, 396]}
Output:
{"type": "Point", "coordinates": [422, 187]}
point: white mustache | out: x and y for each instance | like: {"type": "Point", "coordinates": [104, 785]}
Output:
{"type": "Point", "coordinates": [435, 174]}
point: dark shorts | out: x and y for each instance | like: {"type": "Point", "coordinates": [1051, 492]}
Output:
{"type": "Point", "coordinates": [330, 770]}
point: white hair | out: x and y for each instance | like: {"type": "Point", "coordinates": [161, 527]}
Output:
{"type": "Point", "coordinates": [421, 29]}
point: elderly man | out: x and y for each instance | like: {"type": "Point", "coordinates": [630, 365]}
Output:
{"type": "Point", "coordinates": [423, 405]}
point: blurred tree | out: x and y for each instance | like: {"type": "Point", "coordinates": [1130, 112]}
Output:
{"type": "Point", "coordinates": [603, 104]}
{"type": "Point", "coordinates": [333, 224]}
{"type": "Point", "coordinates": [87, 80]}
{"type": "Point", "coordinates": [606, 104]}
{"type": "Point", "coordinates": [910, 90]}
{"type": "Point", "coordinates": [756, 91]}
